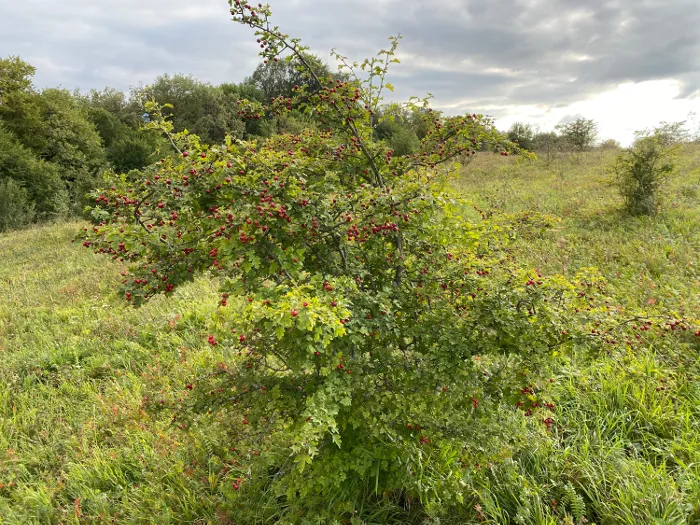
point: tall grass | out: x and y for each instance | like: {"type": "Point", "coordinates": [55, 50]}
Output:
{"type": "Point", "coordinates": [89, 386]}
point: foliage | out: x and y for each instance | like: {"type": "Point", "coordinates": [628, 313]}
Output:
{"type": "Point", "coordinates": [15, 77]}
{"type": "Point", "coordinates": [247, 91]}
{"type": "Point", "coordinates": [443, 380]}
{"type": "Point", "coordinates": [16, 207]}
{"type": "Point", "coordinates": [523, 134]}
{"type": "Point", "coordinates": [401, 127]}
{"type": "Point", "coordinates": [127, 110]}
{"type": "Point", "coordinates": [126, 148]}
{"type": "Point", "coordinates": [89, 387]}
{"type": "Point", "coordinates": [579, 134]}
{"type": "Point", "coordinates": [667, 133]}
{"type": "Point", "coordinates": [354, 292]}
{"type": "Point", "coordinates": [374, 332]}
{"type": "Point", "coordinates": [610, 144]}
{"type": "Point", "coordinates": [547, 145]}
{"type": "Point", "coordinates": [54, 126]}
{"type": "Point", "coordinates": [32, 189]}
{"type": "Point", "coordinates": [80, 135]}
{"type": "Point", "coordinates": [277, 78]}
{"type": "Point", "coordinates": [641, 171]}
{"type": "Point", "coordinates": [198, 107]}
{"type": "Point", "coordinates": [132, 152]}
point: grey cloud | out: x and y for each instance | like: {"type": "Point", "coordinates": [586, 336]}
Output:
{"type": "Point", "coordinates": [469, 53]}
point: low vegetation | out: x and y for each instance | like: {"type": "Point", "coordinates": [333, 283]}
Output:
{"type": "Point", "coordinates": [322, 309]}
{"type": "Point", "coordinates": [89, 385]}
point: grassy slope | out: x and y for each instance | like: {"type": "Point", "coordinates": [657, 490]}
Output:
{"type": "Point", "coordinates": [80, 373]}
{"type": "Point", "coordinates": [76, 365]}
{"type": "Point", "coordinates": [631, 450]}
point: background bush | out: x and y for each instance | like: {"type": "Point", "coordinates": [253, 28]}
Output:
{"type": "Point", "coordinates": [642, 170]}
{"type": "Point", "coordinates": [16, 207]}
{"type": "Point", "coordinates": [39, 182]}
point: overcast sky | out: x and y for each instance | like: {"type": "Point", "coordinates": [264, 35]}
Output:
{"type": "Point", "coordinates": [628, 64]}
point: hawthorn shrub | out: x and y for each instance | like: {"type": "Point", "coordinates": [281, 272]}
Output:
{"type": "Point", "coordinates": [380, 342]}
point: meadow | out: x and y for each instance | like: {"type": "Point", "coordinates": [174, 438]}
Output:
{"type": "Point", "coordinates": [88, 433]}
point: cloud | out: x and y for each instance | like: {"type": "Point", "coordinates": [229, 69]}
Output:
{"type": "Point", "coordinates": [507, 57]}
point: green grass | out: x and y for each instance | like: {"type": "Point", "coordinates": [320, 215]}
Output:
{"type": "Point", "coordinates": [647, 258]}
{"type": "Point", "coordinates": [76, 439]}
{"type": "Point", "coordinates": [87, 383]}
{"type": "Point", "coordinates": [630, 450]}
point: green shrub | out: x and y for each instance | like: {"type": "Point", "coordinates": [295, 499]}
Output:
{"type": "Point", "coordinates": [379, 341]}
{"type": "Point", "coordinates": [404, 141]}
{"type": "Point", "coordinates": [398, 127]}
{"type": "Point", "coordinates": [38, 181]}
{"type": "Point", "coordinates": [641, 171]}
{"type": "Point", "coordinates": [578, 135]}
{"type": "Point", "coordinates": [16, 208]}
{"type": "Point", "coordinates": [133, 152]}
{"type": "Point", "coordinates": [610, 144]}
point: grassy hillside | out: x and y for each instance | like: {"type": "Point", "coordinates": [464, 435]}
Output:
{"type": "Point", "coordinates": [87, 384]}
{"type": "Point", "coordinates": [78, 369]}
{"type": "Point", "coordinates": [648, 258]}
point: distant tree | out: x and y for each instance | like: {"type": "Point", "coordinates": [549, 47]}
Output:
{"type": "Point", "coordinates": [34, 132]}
{"type": "Point", "coordinates": [245, 91]}
{"type": "Point", "coordinates": [580, 134]}
{"type": "Point", "coordinates": [16, 207]}
{"type": "Point", "coordinates": [396, 126]}
{"type": "Point", "coordinates": [132, 151]}
{"type": "Point", "coordinates": [277, 79]}
{"type": "Point", "coordinates": [118, 120]}
{"type": "Point", "coordinates": [54, 125]}
{"type": "Point", "coordinates": [15, 77]}
{"type": "Point", "coordinates": [30, 188]}
{"type": "Point", "coordinates": [127, 110]}
{"type": "Point", "coordinates": [667, 133]}
{"type": "Point", "coordinates": [546, 144]}
{"type": "Point", "coordinates": [523, 134]}
{"type": "Point", "coordinates": [198, 107]}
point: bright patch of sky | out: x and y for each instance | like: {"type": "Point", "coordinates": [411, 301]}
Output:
{"type": "Point", "coordinates": [619, 112]}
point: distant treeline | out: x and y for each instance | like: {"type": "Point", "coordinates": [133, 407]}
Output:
{"type": "Point", "coordinates": [55, 145]}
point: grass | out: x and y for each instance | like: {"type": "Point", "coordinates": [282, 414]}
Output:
{"type": "Point", "coordinates": [76, 441]}
{"type": "Point", "coordinates": [87, 383]}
